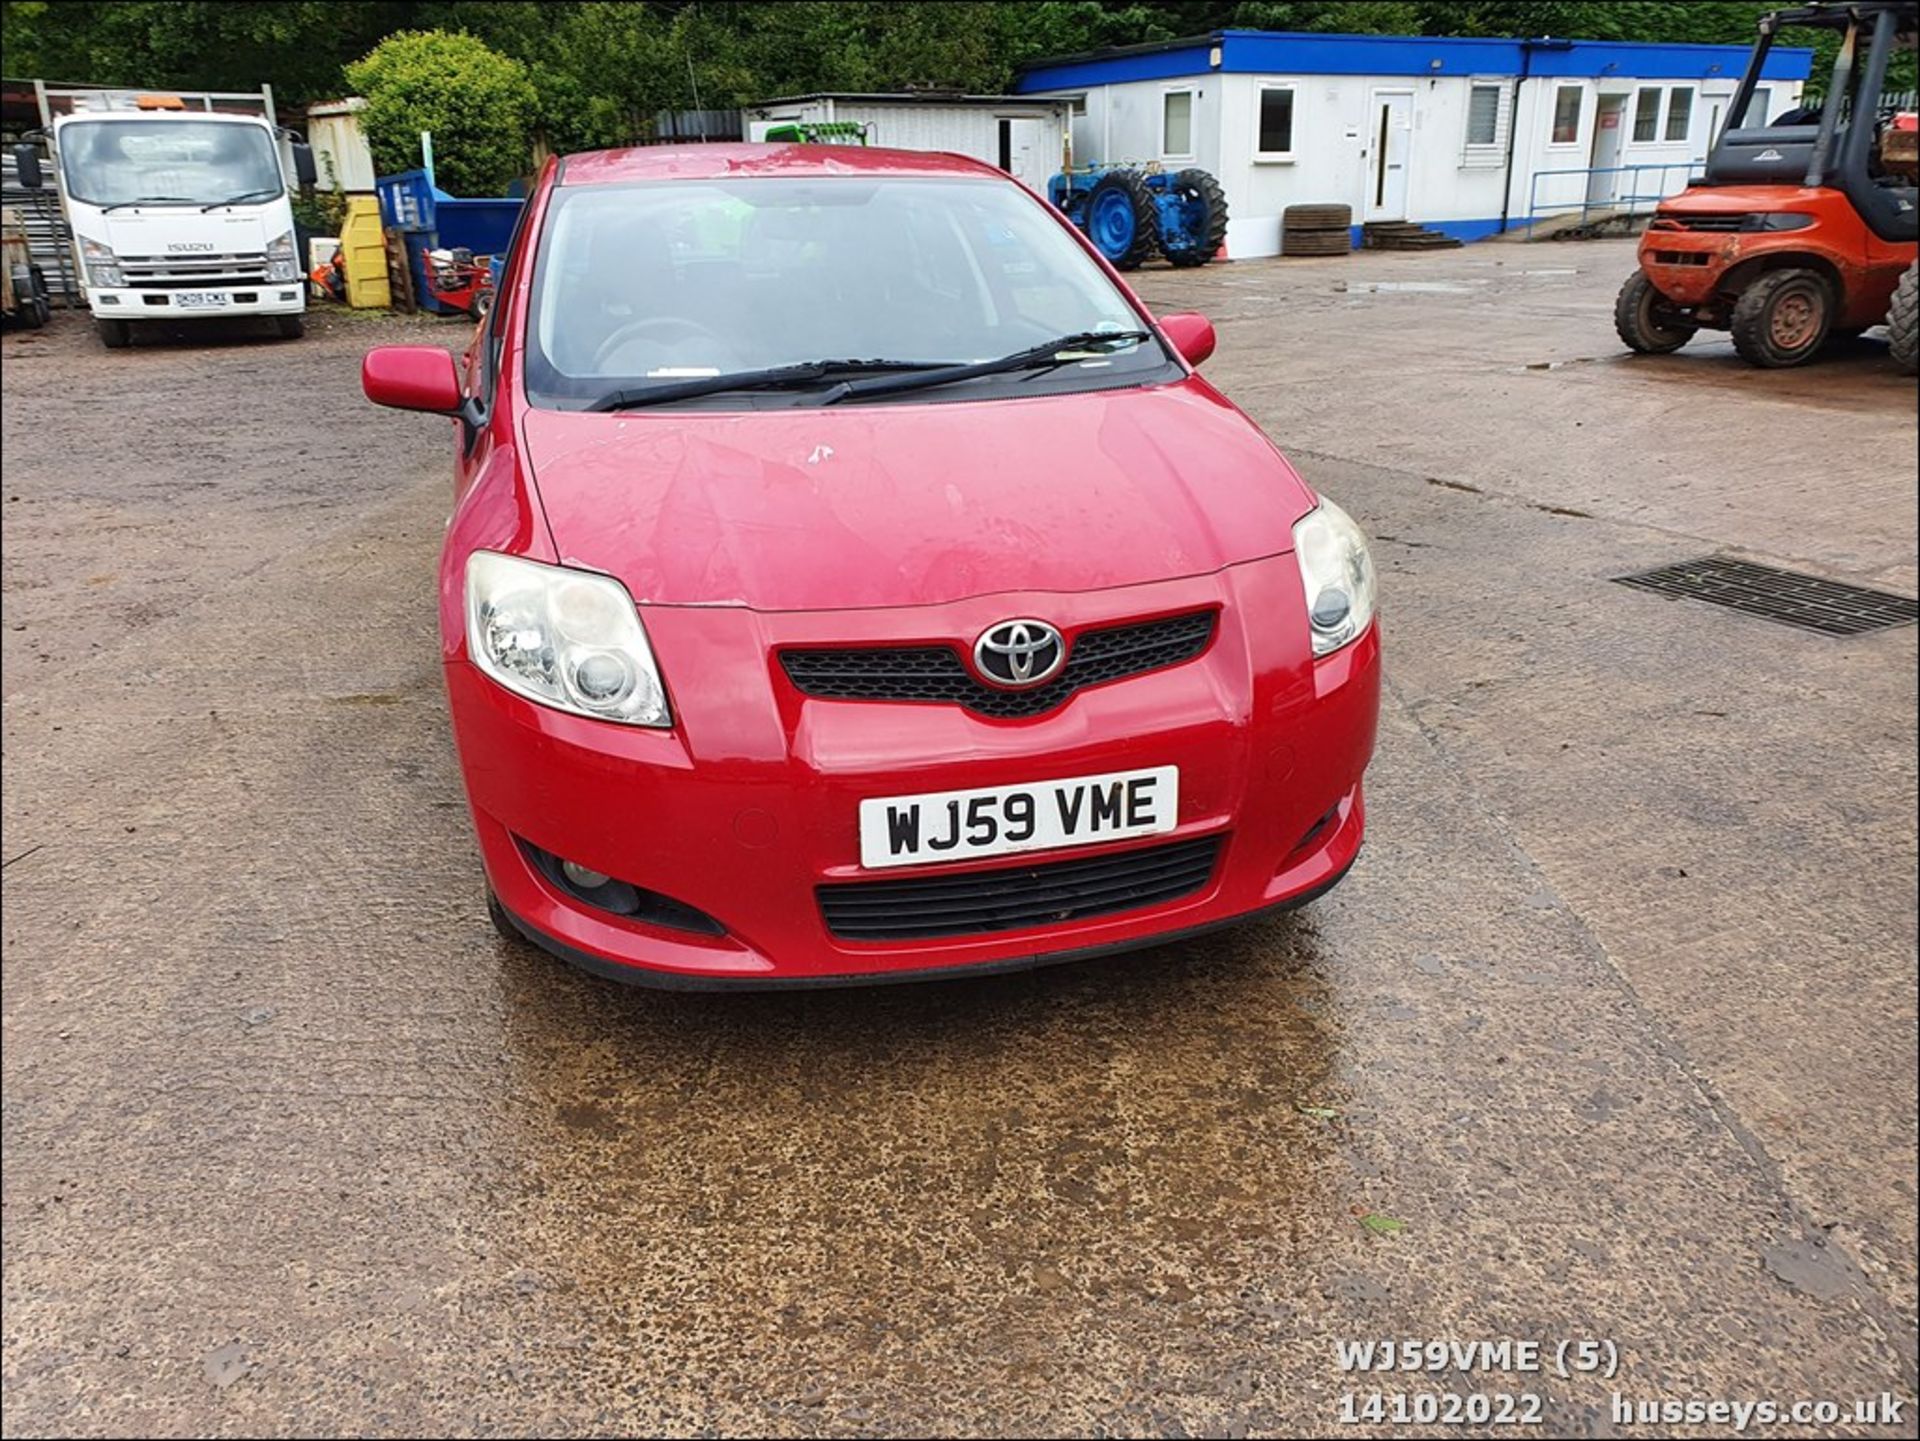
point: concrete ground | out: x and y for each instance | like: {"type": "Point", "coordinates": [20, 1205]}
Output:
{"type": "Point", "coordinates": [1609, 1037]}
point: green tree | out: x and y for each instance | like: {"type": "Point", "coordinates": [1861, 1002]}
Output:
{"type": "Point", "coordinates": [479, 106]}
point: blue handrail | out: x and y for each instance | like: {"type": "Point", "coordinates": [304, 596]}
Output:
{"type": "Point", "coordinates": [1628, 204]}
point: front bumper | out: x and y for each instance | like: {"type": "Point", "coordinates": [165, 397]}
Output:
{"type": "Point", "coordinates": [129, 303]}
{"type": "Point", "coordinates": [751, 802]}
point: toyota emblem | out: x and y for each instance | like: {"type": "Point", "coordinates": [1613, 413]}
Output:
{"type": "Point", "coordinates": [1019, 653]}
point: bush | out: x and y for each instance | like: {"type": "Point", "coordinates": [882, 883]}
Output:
{"type": "Point", "coordinates": [478, 105]}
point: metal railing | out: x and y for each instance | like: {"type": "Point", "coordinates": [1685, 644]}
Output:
{"type": "Point", "coordinates": [1641, 193]}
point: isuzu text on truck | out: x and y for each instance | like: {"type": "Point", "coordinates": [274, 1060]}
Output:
{"type": "Point", "coordinates": [177, 215]}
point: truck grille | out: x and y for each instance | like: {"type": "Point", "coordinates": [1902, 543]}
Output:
{"type": "Point", "coordinates": [185, 272]}
{"type": "Point", "coordinates": [935, 673]}
{"type": "Point", "coordinates": [1013, 898]}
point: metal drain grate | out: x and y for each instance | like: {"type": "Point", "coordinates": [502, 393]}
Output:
{"type": "Point", "coordinates": [1786, 596]}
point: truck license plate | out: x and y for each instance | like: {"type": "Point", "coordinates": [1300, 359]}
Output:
{"type": "Point", "coordinates": [1001, 820]}
{"type": "Point", "coordinates": [200, 300]}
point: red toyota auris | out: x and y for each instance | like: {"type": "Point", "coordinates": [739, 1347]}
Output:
{"type": "Point", "coordinates": [849, 580]}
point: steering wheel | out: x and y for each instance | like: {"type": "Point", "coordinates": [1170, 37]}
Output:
{"type": "Point", "coordinates": [668, 328]}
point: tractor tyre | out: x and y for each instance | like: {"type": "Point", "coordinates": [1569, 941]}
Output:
{"type": "Point", "coordinates": [1783, 318]}
{"type": "Point", "coordinates": [1122, 219]}
{"type": "Point", "coordinates": [114, 334]}
{"type": "Point", "coordinates": [1200, 206]}
{"type": "Point", "coordinates": [1902, 317]}
{"type": "Point", "coordinates": [1646, 320]}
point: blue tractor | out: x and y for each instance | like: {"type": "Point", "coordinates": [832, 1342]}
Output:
{"type": "Point", "coordinates": [1130, 212]}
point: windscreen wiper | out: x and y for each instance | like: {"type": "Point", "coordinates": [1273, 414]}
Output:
{"type": "Point", "coordinates": [150, 200]}
{"type": "Point", "coordinates": [1045, 355]}
{"type": "Point", "coordinates": [779, 377]}
{"type": "Point", "coordinates": [244, 196]}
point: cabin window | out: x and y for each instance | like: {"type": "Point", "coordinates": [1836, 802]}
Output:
{"type": "Point", "coordinates": [1679, 112]}
{"type": "Point", "coordinates": [1566, 114]}
{"type": "Point", "coordinates": [1176, 123]}
{"type": "Point", "coordinates": [1275, 138]}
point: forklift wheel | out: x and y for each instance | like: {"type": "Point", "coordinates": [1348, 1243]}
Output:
{"type": "Point", "coordinates": [1782, 318]}
{"type": "Point", "coordinates": [1646, 320]}
{"type": "Point", "coordinates": [1903, 316]}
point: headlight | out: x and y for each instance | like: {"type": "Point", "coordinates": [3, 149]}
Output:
{"type": "Point", "coordinates": [1338, 575]}
{"type": "Point", "coordinates": [283, 263]}
{"type": "Point", "coordinates": [566, 638]}
{"type": "Point", "coordinates": [103, 266]}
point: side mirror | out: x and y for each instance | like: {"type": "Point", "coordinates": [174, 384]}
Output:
{"type": "Point", "coordinates": [304, 170]}
{"type": "Point", "coordinates": [1192, 335]}
{"type": "Point", "coordinates": [26, 157]}
{"type": "Point", "coordinates": [411, 377]}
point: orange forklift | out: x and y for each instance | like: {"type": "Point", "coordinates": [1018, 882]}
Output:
{"type": "Point", "coordinates": [1802, 231]}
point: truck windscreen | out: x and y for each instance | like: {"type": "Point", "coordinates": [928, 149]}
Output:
{"type": "Point", "coordinates": [182, 162]}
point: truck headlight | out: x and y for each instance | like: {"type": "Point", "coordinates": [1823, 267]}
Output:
{"type": "Point", "coordinates": [283, 262]}
{"type": "Point", "coordinates": [103, 266]}
{"type": "Point", "coordinates": [570, 639]}
{"type": "Point", "coordinates": [1338, 575]}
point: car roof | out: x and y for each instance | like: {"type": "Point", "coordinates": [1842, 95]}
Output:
{"type": "Point", "coordinates": [713, 162]}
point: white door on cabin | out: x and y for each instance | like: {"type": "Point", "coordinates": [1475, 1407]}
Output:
{"type": "Point", "coordinates": [1024, 153]}
{"type": "Point", "coordinates": [1390, 148]}
{"type": "Point", "coordinates": [1609, 134]}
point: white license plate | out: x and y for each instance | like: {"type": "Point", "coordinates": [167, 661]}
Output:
{"type": "Point", "coordinates": [201, 300]}
{"type": "Point", "coordinates": [1003, 820]}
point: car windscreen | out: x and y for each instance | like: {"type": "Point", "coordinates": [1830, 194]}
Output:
{"type": "Point", "coordinates": [658, 283]}
{"type": "Point", "coordinates": [179, 162]}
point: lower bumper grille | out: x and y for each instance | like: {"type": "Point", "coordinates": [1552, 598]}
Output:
{"type": "Point", "coordinates": [1013, 898]}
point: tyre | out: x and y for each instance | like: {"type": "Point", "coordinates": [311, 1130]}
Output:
{"type": "Point", "coordinates": [1783, 318]}
{"type": "Point", "coordinates": [1316, 217]}
{"type": "Point", "coordinates": [42, 298]}
{"type": "Point", "coordinates": [1646, 320]}
{"type": "Point", "coordinates": [114, 334]}
{"type": "Point", "coordinates": [291, 327]}
{"type": "Point", "coordinates": [1193, 219]}
{"type": "Point", "coordinates": [1316, 242]}
{"type": "Point", "coordinates": [29, 300]}
{"type": "Point", "coordinates": [1121, 219]}
{"type": "Point", "coordinates": [1902, 316]}
{"type": "Point", "coordinates": [497, 913]}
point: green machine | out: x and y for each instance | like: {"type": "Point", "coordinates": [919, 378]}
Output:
{"type": "Point", "coordinates": [818, 132]}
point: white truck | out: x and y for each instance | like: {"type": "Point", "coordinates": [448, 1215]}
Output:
{"type": "Point", "coordinates": [177, 214]}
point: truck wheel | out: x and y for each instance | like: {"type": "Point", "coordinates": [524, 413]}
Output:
{"type": "Point", "coordinates": [42, 297]}
{"type": "Point", "coordinates": [1646, 320]}
{"type": "Point", "coordinates": [1121, 219]}
{"type": "Point", "coordinates": [29, 301]}
{"type": "Point", "coordinates": [1902, 318]}
{"type": "Point", "coordinates": [1782, 318]}
{"type": "Point", "coordinates": [291, 327]}
{"type": "Point", "coordinates": [114, 334]}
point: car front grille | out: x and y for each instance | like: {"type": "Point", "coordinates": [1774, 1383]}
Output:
{"type": "Point", "coordinates": [935, 673]}
{"type": "Point", "coordinates": [1011, 898]}
{"type": "Point", "coordinates": [184, 272]}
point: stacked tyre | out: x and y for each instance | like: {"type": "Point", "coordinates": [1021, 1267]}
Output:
{"type": "Point", "coordinates": [1316, 230]}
